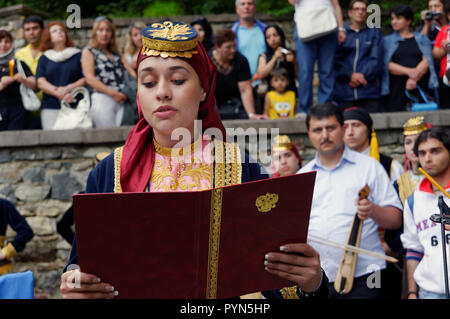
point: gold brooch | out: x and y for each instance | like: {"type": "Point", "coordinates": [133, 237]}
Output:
{"type": "Point", "coordinates": [265, 203]}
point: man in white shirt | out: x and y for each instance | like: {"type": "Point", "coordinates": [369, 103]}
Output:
{"type": "Point", "coordinates": [341, 173]}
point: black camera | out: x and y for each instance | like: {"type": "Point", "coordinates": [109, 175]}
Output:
{"type": "Point", "coordinates": [430, 15]}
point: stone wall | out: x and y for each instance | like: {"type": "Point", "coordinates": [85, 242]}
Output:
{"type": "Point", "coordinates": [40, 170]}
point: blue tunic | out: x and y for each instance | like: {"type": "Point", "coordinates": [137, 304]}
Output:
{"type": "Point", "coordinates": [58, 74]}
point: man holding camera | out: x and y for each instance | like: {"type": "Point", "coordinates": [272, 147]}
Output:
{"type": "Point", "coordinates": [433, 19]}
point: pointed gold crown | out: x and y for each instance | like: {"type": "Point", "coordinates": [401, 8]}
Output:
{"type": "Point", "coordinates": [281, 143]}
{"type": "Point", "coordinates": [169, 39]}
{"type": "Point", "coordinates": [414, 125]}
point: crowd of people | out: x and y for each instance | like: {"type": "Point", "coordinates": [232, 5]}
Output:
{"type": "Point", "coordinates": [258, 76]}
{"type": "Point", "coordinates": [174, 90]}
{"type": "Point", "coordinates": [357, 64]}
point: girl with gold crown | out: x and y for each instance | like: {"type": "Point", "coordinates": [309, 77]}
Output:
{"type": "Point", "coordinates": [408, 182]}
{"type": "Point", "coordinates": [176, 81]}
{"type": "Point", "coordinates": [286, 159]}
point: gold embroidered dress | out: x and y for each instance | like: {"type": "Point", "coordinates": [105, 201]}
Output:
{"type": "Point", "coordinates": [408, 183]}
{"type": "Point", "coordinates": [204, 164]}
{"type": "Point", "coordinates": [182, 169]}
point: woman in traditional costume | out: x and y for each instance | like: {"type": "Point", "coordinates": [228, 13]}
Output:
{"type": "Point", "coordinates": [407, 183]}
{"type": "Point", "coordinates": [176, 81]}
{"type": "Point", "coordinates": [286, 159]}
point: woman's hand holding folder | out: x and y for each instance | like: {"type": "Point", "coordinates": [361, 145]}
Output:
{"type": "Point", "coordinates": [80, 285]}
{"type": "Point", "coordinates": [299, 263]}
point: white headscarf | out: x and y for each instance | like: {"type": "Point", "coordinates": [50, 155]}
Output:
{"type": "Point", "coordinates": [7, 56]}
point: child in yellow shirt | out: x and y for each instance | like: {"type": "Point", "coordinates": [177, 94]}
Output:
{"type": "Point", "coordinates": [279, 102]}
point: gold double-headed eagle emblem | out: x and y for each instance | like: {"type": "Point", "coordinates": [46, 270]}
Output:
{"type": "Point", "coordinates": [169, 31]}
{"type": "Point", "coordinates": [169, 39]}
{"type": "Point", "coordinates": [265, 203]}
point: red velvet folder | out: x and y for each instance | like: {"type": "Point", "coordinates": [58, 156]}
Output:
{"type": "Point", "coordinates": [206, 244]}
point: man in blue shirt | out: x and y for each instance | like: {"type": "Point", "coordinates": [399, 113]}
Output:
{"type": "Point", "coordinates": [341, 173]}
{"type": "Point", "coordinates": [358, 64]}
{"type": "Point", "coordinates": [250, 38]}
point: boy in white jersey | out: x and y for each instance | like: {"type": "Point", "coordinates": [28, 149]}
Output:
{"type": "Point", "coordinates": [422, 237]}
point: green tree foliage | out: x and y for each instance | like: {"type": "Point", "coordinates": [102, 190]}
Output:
{"type": "Point", "coordinates": [163, 8]}
{"type": "Point", "coordinates": [139, 8]}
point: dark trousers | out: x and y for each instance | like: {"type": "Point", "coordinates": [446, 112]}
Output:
{"type": "Point", "coordinates": [14, 117]}
{"type": "Point", "coordinates": [360, 290]}
{"type": "Point", "coordinates": [392, 281]}
{"type": "Point", "coordinates": [259, 101]}
{"type": "Point", "coordinates": [34, 120]}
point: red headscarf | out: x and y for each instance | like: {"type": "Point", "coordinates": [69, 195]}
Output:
{"type": "Point", "coordinates": [139, 153]}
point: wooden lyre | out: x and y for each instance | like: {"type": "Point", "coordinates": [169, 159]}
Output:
{"type": "Point", "coordinates": [346, 272]}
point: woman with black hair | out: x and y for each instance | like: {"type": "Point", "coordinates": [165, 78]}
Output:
{"type": "Point", "coordinates": [277, 56]}
{"type": "Point", "coordinates": [204, 31]}
{"type": "Point", "coordinates": [408, 61]}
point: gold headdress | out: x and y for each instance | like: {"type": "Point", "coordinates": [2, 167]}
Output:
{"type": "Point", "coordinates": [414, 125]}
{"type": "Point", "coordinates": [169, 39]}
{"type": "Point", "coordinates": [281, 143]}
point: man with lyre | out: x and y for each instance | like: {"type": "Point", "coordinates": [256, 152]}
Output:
{"type": "Point", "coordinates": [341, 175]}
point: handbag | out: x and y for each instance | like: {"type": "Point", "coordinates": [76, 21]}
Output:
{"type": "Point", "coordinates": [30, 100]}
{"type": "Point", "coordinates": [416, 106]}
{"type": "Point", "coordinates": [69, 118]}
{"type": "Point", "coordinates": [315, 23]}
{"type": "Point", "coordinates": [232, 110]}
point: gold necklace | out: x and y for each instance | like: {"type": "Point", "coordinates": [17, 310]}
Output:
{"type": "Point", "coordinates": [177, 152]}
